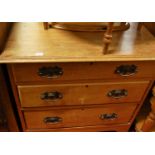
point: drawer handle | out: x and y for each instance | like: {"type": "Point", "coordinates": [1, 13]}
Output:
{"type": "Point", "coordinates": [51, 96]}
{"type": "Point", "coordinates": [50, 72]}
{"type": "Point", "coordinates": [55, 119]}
{"type": "Point", "coordinates": [126, 70]}
{"type": "Point", "coordinates": [108, 116]}
{"type": "Point", "coordinates": [117, 93]}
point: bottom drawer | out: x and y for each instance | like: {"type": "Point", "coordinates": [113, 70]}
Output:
{"type": "Point", "coordinates": [78, 117]}
{"type": "Point", "coordinates": [98, 128]}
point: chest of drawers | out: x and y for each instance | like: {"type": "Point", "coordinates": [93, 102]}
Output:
{"type": "Point", "coordinates": [62, 81]}
{"type": "Point", "coordinates": [101, 96]}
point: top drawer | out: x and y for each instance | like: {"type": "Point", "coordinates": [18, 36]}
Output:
{"type": "Point", "coordinates": [81, 71]}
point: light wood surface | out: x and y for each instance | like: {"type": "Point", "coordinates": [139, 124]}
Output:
{"type": "Point", "coordinates": [82, 71]}
{"type": "Point", "coordinates": [86, 26]}
{"type": "Point", "coordinates": [107, 39]}
{"type": "Point", "coordinates": [29, 42]}
{"type": "Point", "coordinates": [78, 74]}
{"type": "Point", "coordinates": [80, 116]}
{"type": "Point", "coordinates": [81, 94]}
{"type": "Point", "coordinates": [97, 128]}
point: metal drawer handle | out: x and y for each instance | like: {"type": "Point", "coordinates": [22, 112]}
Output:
{"type": "Point", "coordinates": [53, 120]}
{"type": "Point", "coordinates": [117, 93]}
{"type": "Point", "coordinates": [126, 70]}
{"type": "Point", "coordinates": [51, 96]}
{"type": "Point", "coordinates": [50, 72]}
{"type": "Point", "coordinates": [111, 116]}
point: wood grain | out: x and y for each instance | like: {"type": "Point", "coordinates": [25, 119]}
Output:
{"type": "Point", "coordinates": [86, 26]}
{"type": "Point", "coordinates": [79, 117]}
{"type": "Point", "coordinates": [81, 94]}
{"type": "Point", "coordinates": [80, 56]}
{"type": "Point", "coordinates": [97, 128]}
{"type": "Point", "coordinates": [29, 42]}
{"type": "Point", "coordinates": [82, 71]}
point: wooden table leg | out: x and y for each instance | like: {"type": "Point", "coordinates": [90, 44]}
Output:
{"type": "Point", "coordinates": [150, 120]}
{"type": "Point", "coordinates": [108, 37]}
{"type": "Point", "coordinates": [45, 25]}
{"type": "Point", "coordinates": [48, 25]}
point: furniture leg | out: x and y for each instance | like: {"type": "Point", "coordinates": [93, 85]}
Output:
{"type": "Point", "coordinates": [150, 120]}
{"type": "Point", "coordinates": [107, 37]}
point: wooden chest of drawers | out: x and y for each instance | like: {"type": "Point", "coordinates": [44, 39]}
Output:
{"type": "Point", "coordinates": [62, 81]}
{"type": "Point", "coordinates": [103, 96]}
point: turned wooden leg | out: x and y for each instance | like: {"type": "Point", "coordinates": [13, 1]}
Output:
{"type": "Point", "coordinates": [45, 25]}
{"type": "Point", "coordinates": [150, 120]}
{"type": "Point", "coordinates": [48, 25]}
{"type": "Point", "coordinates": [107, 37]}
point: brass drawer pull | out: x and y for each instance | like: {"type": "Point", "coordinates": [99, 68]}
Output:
{"type": "Point", "coordinates": [126, 70]}
{"type": "Point", "coordinates": [51, 96]}
{"type": "Point", "coordinates": [117, 93]}
{"type": "Point", "coordinates": [55, 119]}
{"type": "Point", "coordinates": [50, 72]}
{"type": "Point", "coordinates": [111, 116]}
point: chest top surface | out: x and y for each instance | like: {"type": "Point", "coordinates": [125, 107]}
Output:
{"type": "Point", "coordinates": [29, 42]}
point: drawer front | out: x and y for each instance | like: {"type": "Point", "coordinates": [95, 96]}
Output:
{"type": "Point", "coordinates": [81, 71]}
{"type": "Point", "coordinates": [96, 128]}
{"type": "Point", "coordinates": [59, 118]}
{"type": "Point", "coordinates": [81, 94]}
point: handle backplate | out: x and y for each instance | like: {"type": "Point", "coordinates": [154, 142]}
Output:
{"type": "Point", "coordinates": [51, 95]}
{"type": "Point", "coordinates": [126, 70]}
{"type": "Point", "coordinates": [118, 93]}
{"type": "Point", "coordinates": [110, 116]}
{"type": "Point", "coordinates": [52, 120]}
{"type": "Point", "coordinates": [50, 72]}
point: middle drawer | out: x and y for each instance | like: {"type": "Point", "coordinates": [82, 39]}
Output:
{"type": "Point", "coordinates": [81, 94]}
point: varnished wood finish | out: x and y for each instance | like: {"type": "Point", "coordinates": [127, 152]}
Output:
{"type": "Point", "coordinates": [79, 117]}
{"type": "Point", "coordinates": [36, 83]}
{"type": "Point", "coordinates": [98, 128]}
{"type": "Point", "coordinates": [80, 56]}
{"type": "Point", "coordinates": [45, 25]}
{"type": "Point", "coordinates": [75, 26]}
{"type": "Point", "coordinates": [108, 37]}
{"type": "Point", "coordinates": [81, 94]}
{"type": "Point", "coordinates": [29, 42]}
{"type": "Point", "coordinates": [86, 26]}
{"type": "Point", "coordinates": [82, 71]}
